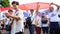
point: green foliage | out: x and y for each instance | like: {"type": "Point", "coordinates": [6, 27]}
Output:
{"type": "Point", "coordinates": [5, 3]}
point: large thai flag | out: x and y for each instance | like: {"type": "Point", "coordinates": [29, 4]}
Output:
{"type": "Point", "coordinates": [31, 4]}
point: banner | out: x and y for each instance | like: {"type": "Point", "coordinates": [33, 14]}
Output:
{"type": "Point", "coordinates": [30, 6]}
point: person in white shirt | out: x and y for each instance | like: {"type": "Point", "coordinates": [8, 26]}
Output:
{"type": "Point", "coordinates": [45, 23]}
{"type": "Point", "coordinates": [58, 13]}
{"type": "Point", "coordinates": [18, 25]}
{"type": "Point", "coordinates": [8, 22]}
{"type": "Point", "coordinates": [59, 19]}
{"type": "Point", "coordinates": [3, 19]}
{"type": "Point", "coordinates": [0, 23]}
{"type": "Point", "coordinates": [30, 22]}
{"type": "Point", "coordinates": [37, 23]}
{"type": "Point", "coordinates": [53, 19]}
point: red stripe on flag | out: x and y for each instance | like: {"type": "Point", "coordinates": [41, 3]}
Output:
{"type": "Point", "coordinates": [44, 5]}
{"type": "Point", "coordinates": [7, 8]}
{"type": "Point", "coordinates": [31, 6]}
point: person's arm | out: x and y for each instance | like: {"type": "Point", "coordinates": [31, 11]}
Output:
{"type": "Point", "coordinates": [35, 22]}
{"type": "Point", "coordinates": [20, 15]}
{"type": "Point", "coordinates": [4, 21]}
{"type": "Point", "coordinates": [8, 15]}
{"type": "Point", "coordinates": [38, 6]}
{"type": "Point", "coordinates": [15, 17]}
{"type": "Point", "coordinates": [56, 6]}
{"type": "Point", "coordinates": [48, 18]}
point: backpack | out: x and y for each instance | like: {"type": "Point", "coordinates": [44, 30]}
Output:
{"type": "Point", "coordinates": [28, 21]}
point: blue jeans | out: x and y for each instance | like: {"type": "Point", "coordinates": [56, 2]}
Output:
{"type": "Point", "coordinates": [8, 32]}
{"type": "Point", "coordinates": [8, 29]}
{"type": "Point", "coordinates": [31, 29]}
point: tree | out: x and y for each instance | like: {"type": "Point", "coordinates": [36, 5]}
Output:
{"type": "Point", "coordinates": [4, 3]}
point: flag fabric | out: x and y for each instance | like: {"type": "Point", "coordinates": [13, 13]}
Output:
{"type": "Point", "coordinates": [30, 6]}
{"type": "Point", "coordinates": [27, 6]}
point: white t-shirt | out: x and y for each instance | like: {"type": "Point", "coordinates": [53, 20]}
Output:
{"type": "Point", "coordinates": [59, 14]}
{"type": "Point", "coordinates": [53, 16]}
{"type": "Point", "coordinates": [32, 18]}
{"type": "Point", "coordinates": [2, 17]}
{"type": "Point", "coordinates": [18, 26]}
{"type": "Point", "coordinates": [8, 21]}
{"type": "Point", "coordinates": [47, 24]}
{"type": "Point", "coordinates": [38, 18]}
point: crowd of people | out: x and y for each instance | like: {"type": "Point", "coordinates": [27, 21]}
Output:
{"type": "Point", "coordinates": [13, 21]}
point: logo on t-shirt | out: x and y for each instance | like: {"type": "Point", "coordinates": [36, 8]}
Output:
{"type": "Point", "coordinates": [53, 15]}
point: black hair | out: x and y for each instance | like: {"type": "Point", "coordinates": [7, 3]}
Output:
{"type": "Point", "coordinates": [31, 9]}
{"type": "Point", "coordinates": [15, 2]}
{"type": "Point", "coordinates": [10, 10]}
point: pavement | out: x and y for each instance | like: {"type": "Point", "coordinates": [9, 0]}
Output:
{"type": "Point", "coordinates": [26, 31]}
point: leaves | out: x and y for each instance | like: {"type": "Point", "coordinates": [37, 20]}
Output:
{"type": "Point", "coordinates": [5, 3]}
